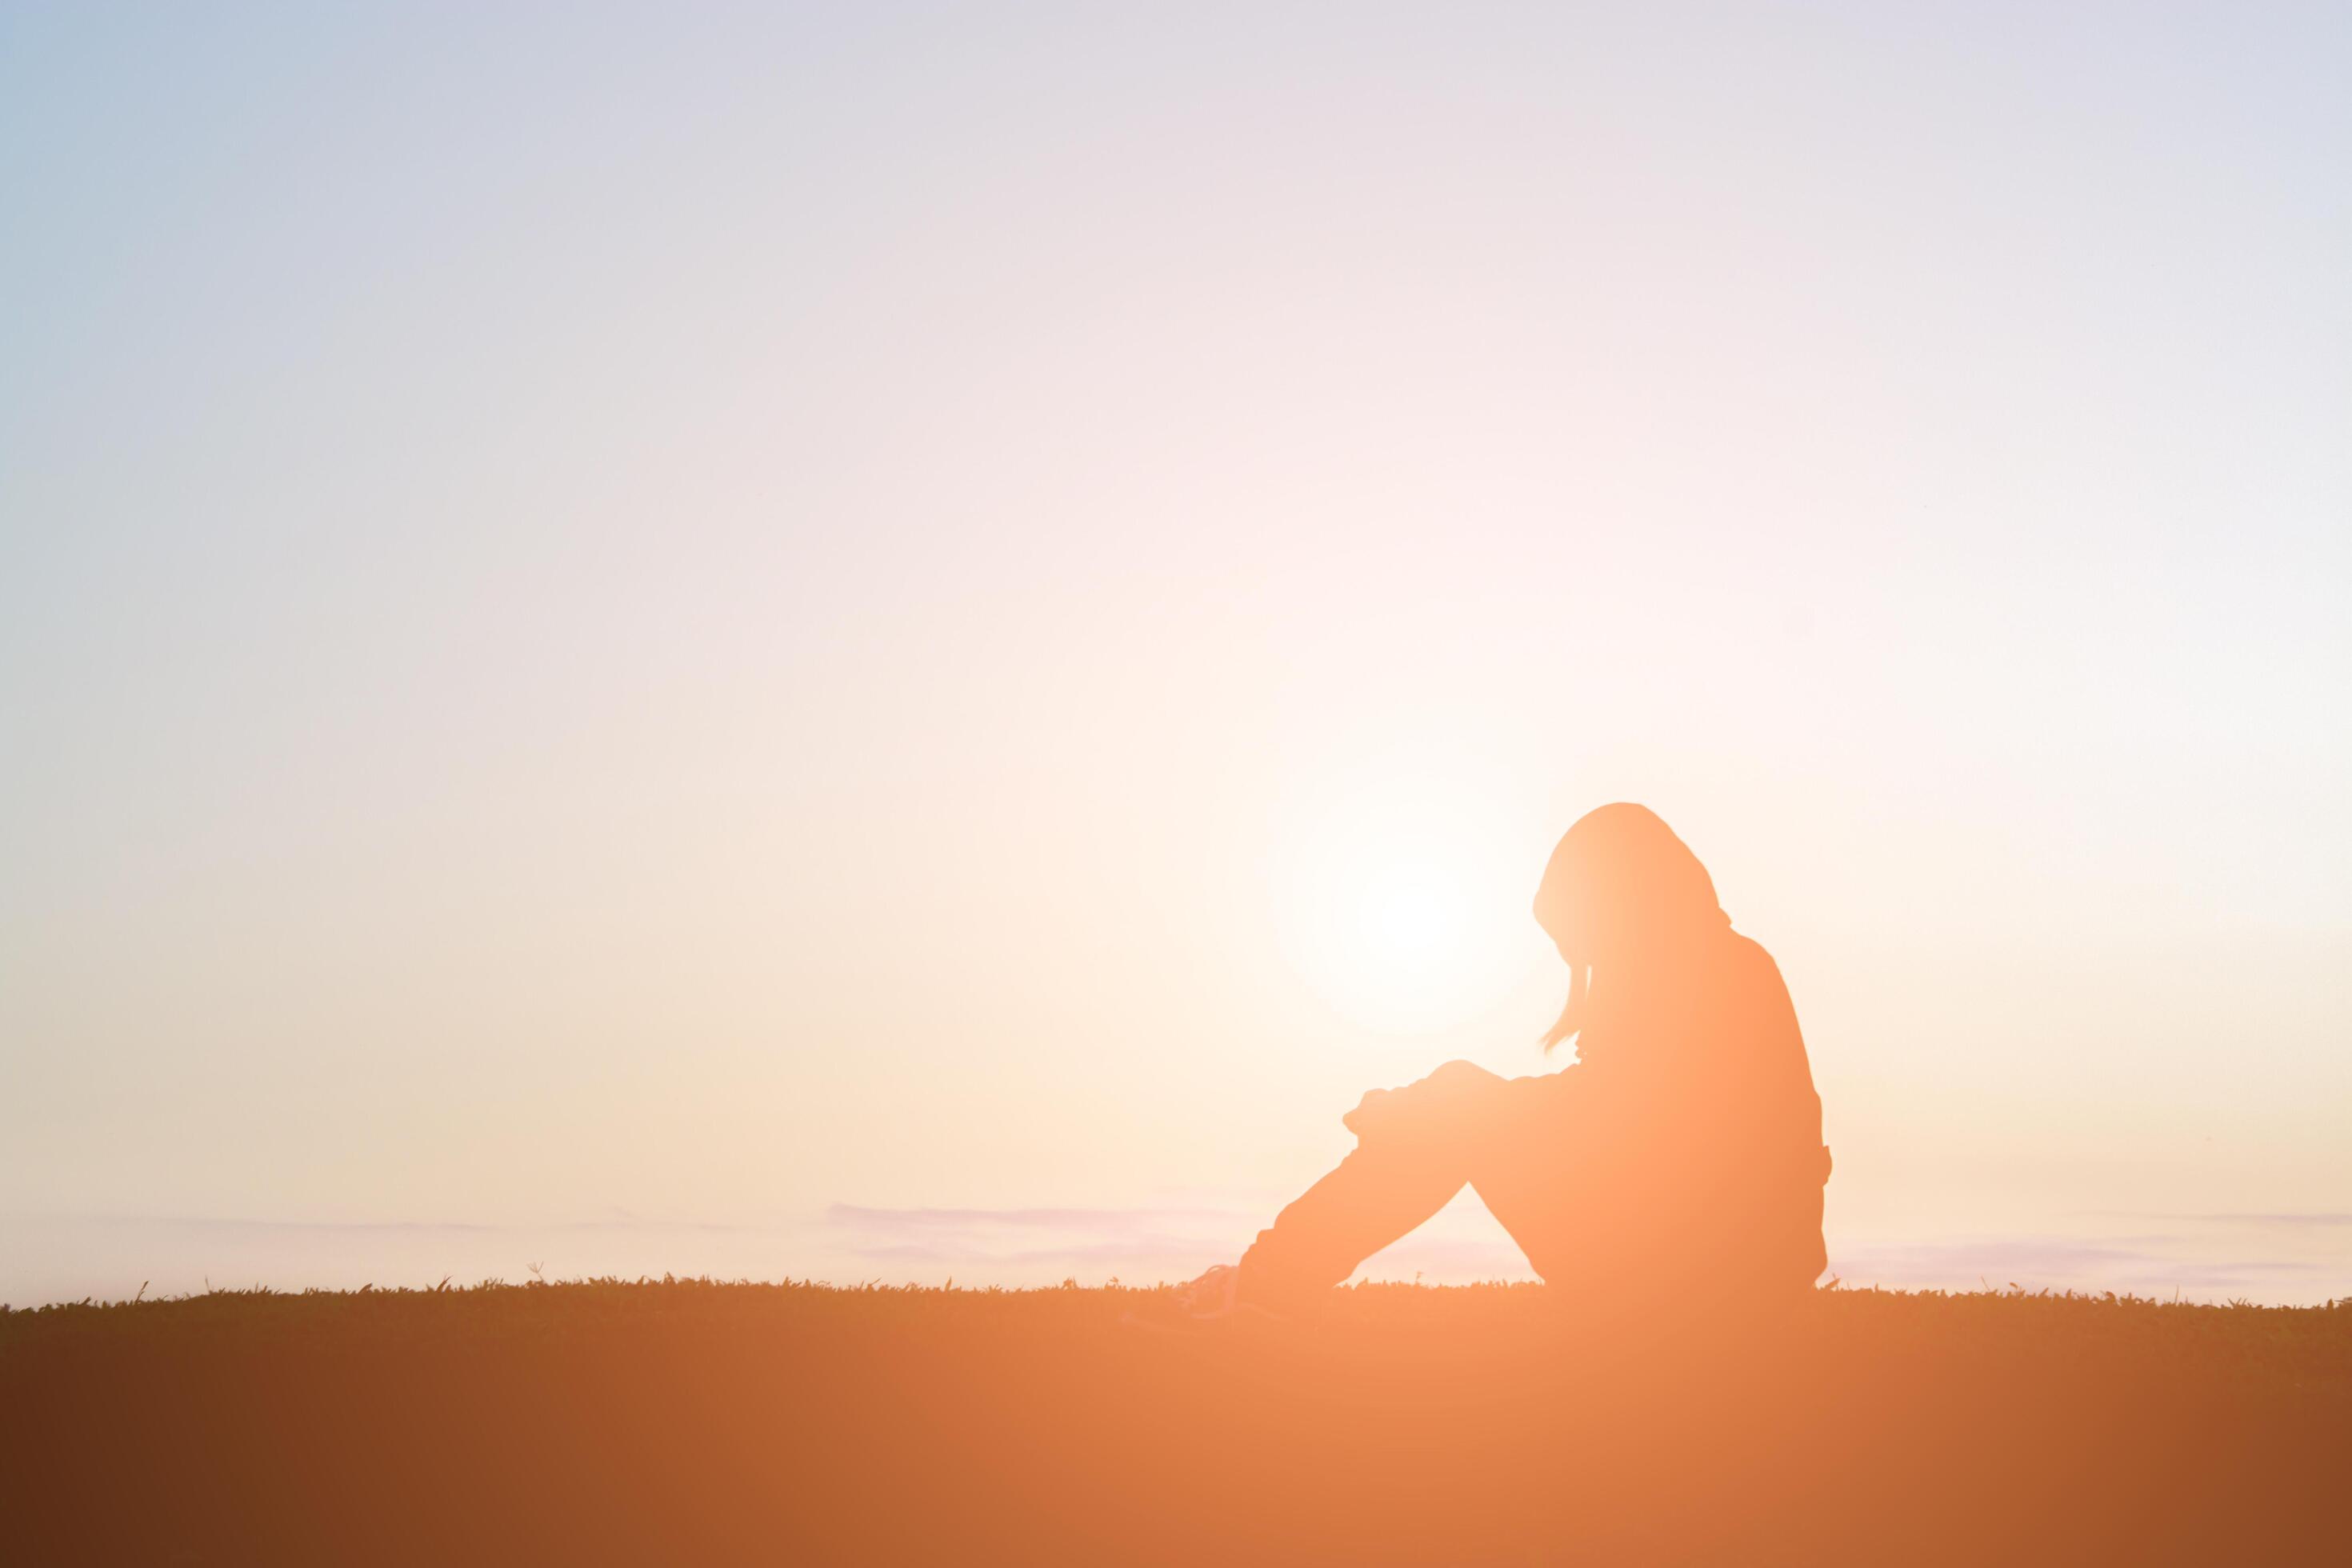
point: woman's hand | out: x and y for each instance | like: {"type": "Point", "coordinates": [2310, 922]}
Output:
{"type": "Point", "coordinates": [1369, 1111]}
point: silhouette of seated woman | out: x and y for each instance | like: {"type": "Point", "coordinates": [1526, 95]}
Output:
{"type": "Point", "coordinates": [1679, 1157]}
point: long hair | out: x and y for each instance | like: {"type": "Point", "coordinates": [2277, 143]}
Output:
{"type": "Point", "coordinates": [1621, 884]}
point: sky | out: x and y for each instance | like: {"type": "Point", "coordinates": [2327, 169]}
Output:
{"type": "Point", "coordinates": [895, 643]}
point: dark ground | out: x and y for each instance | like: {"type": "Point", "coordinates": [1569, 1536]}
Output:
{"type": "Point", "coordinates": [691, 1422]}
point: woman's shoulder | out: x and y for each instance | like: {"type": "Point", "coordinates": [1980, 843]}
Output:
{"type": "Point", "coordinates": [1748, 953]}
{"type": "Point", "coordinates": [1750, 968]}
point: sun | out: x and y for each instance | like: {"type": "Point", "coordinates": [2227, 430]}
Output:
{"type": "Point", "coordinates": [1402, 902]}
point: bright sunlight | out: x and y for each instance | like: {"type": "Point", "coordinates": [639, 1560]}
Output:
{"type": "Point", "coordinates": [1403, 900]}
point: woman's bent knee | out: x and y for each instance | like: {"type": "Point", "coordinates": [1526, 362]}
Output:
{"type": "Point", "coordinates": [1459, 1078]}
{"type": "Point", "coordinates": [1453, 1100]}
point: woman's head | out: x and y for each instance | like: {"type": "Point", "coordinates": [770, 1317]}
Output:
{"type": "Point", "coordinates": [1621, 889]}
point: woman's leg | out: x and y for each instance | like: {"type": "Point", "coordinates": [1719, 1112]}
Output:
{"type": "Point", "coordinates": [1416, 1147]}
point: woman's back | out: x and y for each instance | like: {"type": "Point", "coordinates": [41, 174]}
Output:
{"type": "Point", "coordinates": [1691, 1154]}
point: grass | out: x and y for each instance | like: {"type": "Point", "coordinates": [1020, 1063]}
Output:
{"type": "Point", "coordinates": [687, 1420]}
